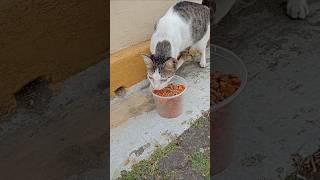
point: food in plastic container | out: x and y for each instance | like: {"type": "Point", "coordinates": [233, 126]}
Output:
{"type": "Point", "coordinates": [223, 85]}
{"type": "Point", "coordinates": [170, 90]}
{"type": "Point", "coordinates": [226, 107]}
{"type": "Point", "coordinates": [169, 100]}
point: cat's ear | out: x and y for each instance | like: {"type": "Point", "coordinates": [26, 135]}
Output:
{"type": "Point", "coordinates": [147, 60]}
{"type": "Point", "coordinates": [171, 64]}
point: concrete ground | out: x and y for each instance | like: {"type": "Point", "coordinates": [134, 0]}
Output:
{"type": "Point", "coordinates": [187, 157]}
{"type": "Point", "coordinates": [279, 109]}
{"type": "Point", "coordinates": [137, 128]}
{"type": "Point", "coordinates": [58, 136]}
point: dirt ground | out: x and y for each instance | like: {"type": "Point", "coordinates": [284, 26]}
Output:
{"type": "Point", "coordinates": [58, 136]}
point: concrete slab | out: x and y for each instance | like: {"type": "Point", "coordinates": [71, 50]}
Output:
{"type": "Point", "coordinates": [280, 105]}
{"type": "Point", "coordinates": [136, 126]}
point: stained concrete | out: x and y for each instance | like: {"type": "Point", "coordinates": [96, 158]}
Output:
{"type": "Point", "coordinates": [58, 136]}
{"type": "Point", "coordinates": [279, 109]}
{"type": "Point", "coordinates": [137, 127]}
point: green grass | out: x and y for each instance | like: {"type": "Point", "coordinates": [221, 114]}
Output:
{"type": "Point", "coordinates": [170, 175]}
{"type": "Point", "coordinates": [149, 168]}
{"type": "Point", "coordinates": [199, 123]}
{"type": "Point", "coordinates": [200, 162]}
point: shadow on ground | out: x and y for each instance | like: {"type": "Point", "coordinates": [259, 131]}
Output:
{"type": "Point", "coordinates": [56, 137]}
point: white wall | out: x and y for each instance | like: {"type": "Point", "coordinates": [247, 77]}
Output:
{"type": "Point", "coordinates": [132, 21]}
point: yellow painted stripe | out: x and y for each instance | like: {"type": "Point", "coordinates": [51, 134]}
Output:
{"type": "Point", "coordinates": [127, 67]}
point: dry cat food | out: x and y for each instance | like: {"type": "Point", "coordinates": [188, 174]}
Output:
{"type": "Point", "coordinates": [170, 90]}
{"type": "Point", "coordinates": [223, 85]}
{"type": "Point", "coordinates": [168, 104]}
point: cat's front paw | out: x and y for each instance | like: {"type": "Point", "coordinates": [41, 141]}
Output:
{"type": "Point", "coordinates": [297, 9]}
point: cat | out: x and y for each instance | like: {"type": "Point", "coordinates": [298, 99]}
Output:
{"type": "Point", "coordinates": [184, 25]}
{"type": "Point", "coordinates": [296, 9]}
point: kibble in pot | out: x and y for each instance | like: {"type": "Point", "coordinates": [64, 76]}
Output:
{"type": "Point", "coordinates": [223, 85]}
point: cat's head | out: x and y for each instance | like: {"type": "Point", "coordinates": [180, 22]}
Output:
{"type": "Point", "coordinates": [160, 70]}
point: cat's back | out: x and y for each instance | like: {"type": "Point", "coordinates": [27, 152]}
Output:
{"type": "Point", "coordinates": [183, 24]}
{"type": "Point", "coordinates": [187, 11]}
{"type": "Point", "coordinates": [184, 13]}
{"type": "Point", "coordinates": [171, 24]}
{"type": "Point", "coordinates": [169, 20]}
{"type": "Point", "coordinates": [192, 11]}
{"type": "Point", "coordinates": [196, 14]}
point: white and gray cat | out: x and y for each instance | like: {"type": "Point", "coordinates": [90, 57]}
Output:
{"type": "Point", "coordinates": [187, 25]}
{"type": "Point", "coordinates": [184, 25]}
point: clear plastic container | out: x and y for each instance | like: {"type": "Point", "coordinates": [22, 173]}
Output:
{"type": "Point", "coordinates": [170, 107]}
{"type": "Point", "coordinates": [225, 113]}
